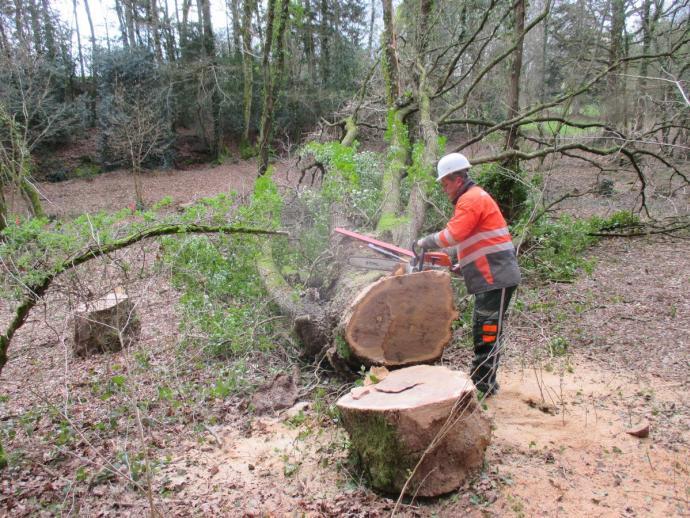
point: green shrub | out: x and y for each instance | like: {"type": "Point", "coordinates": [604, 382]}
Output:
{"type": "Point", "coordinates": [222, 291]}
{"type": "Point", "coordinates": [552, 247]}
{"type": "Point", "coordinates": [352, 179]}
{"type": "Point", "coordinates": [86, 171]}
{"type": "Point", "coordinates": [508, 188]}
{"type": "Point", "coordinates": [247, 150]}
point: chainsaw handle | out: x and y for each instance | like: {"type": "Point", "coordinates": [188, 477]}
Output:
{"type": "Point", "coordinates": [418, 258]}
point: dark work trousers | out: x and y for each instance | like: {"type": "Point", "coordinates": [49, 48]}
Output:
{"type": "Point", "coordinates": [488, 321]}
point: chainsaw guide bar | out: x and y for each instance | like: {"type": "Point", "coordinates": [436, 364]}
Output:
{"type": "Point", "coordinates": [372, 263]}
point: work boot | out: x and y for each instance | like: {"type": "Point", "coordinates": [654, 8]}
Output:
{"type": "Point", "coordinates": [483, 372]}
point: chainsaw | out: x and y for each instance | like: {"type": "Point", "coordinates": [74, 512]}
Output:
{"type": "Point", "coordinates": [410, 260]}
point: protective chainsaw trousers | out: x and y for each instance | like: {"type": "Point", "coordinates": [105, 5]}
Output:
{"type": "Point", "coordinates": [488, 320]}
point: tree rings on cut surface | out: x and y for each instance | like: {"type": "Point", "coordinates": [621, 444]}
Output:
{"type": "Point", "coordinates": [421, 411]}
{"type": "Point", "coordinates": [401, 320]}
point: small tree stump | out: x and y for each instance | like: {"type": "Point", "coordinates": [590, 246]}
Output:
{"type": "Point", "coordinates": [401, 320]}
{"type": "Point", "coordinates": [392, 423]}
{"type": "Point", "coordinates": [105, 325]}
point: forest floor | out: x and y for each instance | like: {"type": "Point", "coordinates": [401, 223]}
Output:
{"type": "Point", "coordinates": [585, 361]}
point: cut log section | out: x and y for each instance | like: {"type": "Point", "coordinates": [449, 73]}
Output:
{"type": "Point", "coordinates": [401, 320]}
{"type": "Point", "coordinates": [105, 325]}
{"type": "Point", "coordinates": [422, 411]}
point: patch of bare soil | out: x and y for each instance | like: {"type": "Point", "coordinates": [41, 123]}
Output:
{"type": "Point", "coordinates": [115, 190]}
{"type": "Point", "coordinates": [561, 442]}
{"type": "Point", "coordinates": [161, 426]}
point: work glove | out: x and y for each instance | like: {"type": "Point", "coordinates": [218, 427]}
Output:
{"type": "Point", "coordinates": [427, 242]}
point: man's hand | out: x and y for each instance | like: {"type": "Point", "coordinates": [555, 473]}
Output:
{"type": "Point", "coordinates": [427, 242]}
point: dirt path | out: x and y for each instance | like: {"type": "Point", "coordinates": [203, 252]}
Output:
{"type": "Point", "coordinates": [559, 443]}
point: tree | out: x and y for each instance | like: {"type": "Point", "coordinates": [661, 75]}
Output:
{"type": "Point", "coordinates": [33, 114]}
{"type": "Point", "coordinates": [134, 112]}
{"type": "Point", "coordinates": [15, 167]}
{"type": "Point", "coordinates": [137, 131]}
{"type": "Point", "coordinates": [272, 63]}
{"type": "Point", "coordinates": [247, 69]}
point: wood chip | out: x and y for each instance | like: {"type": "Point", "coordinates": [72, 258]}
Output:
{"type": "Point", "coordinates": [359, 392]}
{"type": "Point", "coordinates": [641, 431]}
{"type": "Point", "coordinates": [375, 375]}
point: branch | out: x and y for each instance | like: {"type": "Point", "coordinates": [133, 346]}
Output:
{"type": "Point", "coordinates": [558, 100]}
{"type": "Point", "coordinates": [38, 289]}
{"type": "Point", "coordinates": [515, 153]}
{"type": "Point", "coordinates": [663, 230]}
{"type": "Point", "coordinates": [493, 64]}
{"type": "Point", "coordinates": [451, 67]}
{"type": "Point", "coordinates": [674, 81]}
{"type": "Point", "coordinates": [630, 155]}
{"type": "Point", "coordinates": [676, 171]}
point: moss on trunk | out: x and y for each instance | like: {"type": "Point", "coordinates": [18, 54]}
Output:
{"type": "Point", "coordinates": [377, 450]}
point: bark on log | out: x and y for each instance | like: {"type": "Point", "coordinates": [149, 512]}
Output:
{"type": "Point", "coordinates": [105, 325]}
{"type": "Point", "coordinates": [423, 420]}
{"type": "Point", "coordinates": [400, 320]}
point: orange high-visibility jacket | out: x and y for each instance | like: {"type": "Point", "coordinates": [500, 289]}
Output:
{"type": "Point", "coordinates": [485, 249]}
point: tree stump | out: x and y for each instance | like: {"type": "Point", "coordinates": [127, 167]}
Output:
{"type": "Point", "coordinates": [422, 411]}
{"type": "Point", "coordinates": [105, 325]}
{"type": "Point", "coordinates": [400, 320]}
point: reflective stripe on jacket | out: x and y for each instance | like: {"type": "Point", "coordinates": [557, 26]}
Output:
{"type": "Point", "coordinates": [485, 249]}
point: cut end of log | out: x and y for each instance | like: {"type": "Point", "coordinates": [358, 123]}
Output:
{"type": "Point", "coordinates": [402, 320]}
{"type": "Point", "coordinates": [411, 388]}
{"type": "Point", "coordinates": [424, 417]}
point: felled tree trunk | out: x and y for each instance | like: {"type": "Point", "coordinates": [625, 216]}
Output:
{"type": "Point", "coordinates": [367, 317]}
{"type": "Point", "coordinates": [420, 423]}
{"type": "Point", "coordinates": [399, 320]}
{"type": "Point", "coordinates": [105, 325]}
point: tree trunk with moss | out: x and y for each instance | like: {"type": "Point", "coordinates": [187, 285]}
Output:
{"type": "Point", "coordinates": [369, 317]}
{"type": "Point", "coordinates": [420, 175]}
{"type": "Point", "coordinates": [247, 72]}
{"type": "Point", "coordinates": [32, 198]}
{"type": "Point", "coordinates": [398, 139]}
{"type": "Point", "coordinates": [273, 60]}
{"type": "Point", "coordinates": [350, 125]}
{"type": "Point", "coordinates": [396, 165]}
{"type": "Point", "coordinates": [508, 196]}
{"type": "Point", "coordinates": [309, 319]}
{"type": "Point", "coordinates": [3, 209]}
{"type": "Point", "coordinates": [15, 164]}
{"type": "Point", "coordinates": [419, 431]}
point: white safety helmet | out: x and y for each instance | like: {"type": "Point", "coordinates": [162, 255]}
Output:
{"type": "Point", "coordinates": [452, 163]}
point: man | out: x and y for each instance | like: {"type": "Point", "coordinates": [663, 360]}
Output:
{"type": "Point", "coordinates": [486, 259]}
